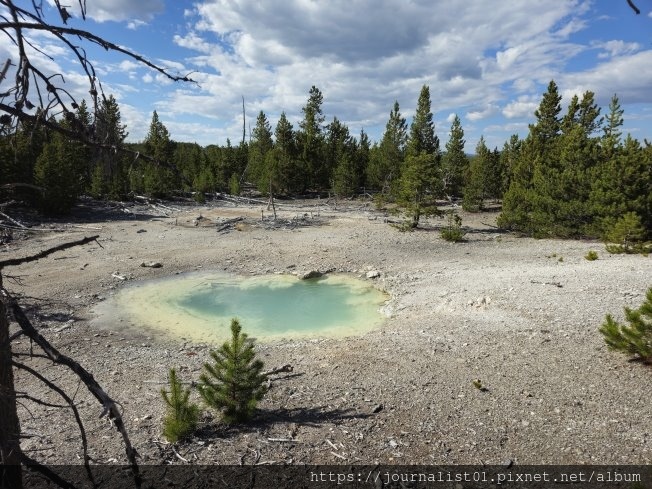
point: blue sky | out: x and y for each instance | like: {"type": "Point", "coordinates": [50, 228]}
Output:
{"type": "Point", "coordinates": [488, 62]}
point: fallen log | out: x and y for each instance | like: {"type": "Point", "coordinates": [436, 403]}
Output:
{"type": "Point", "coordinates": [224, 225]}
{"type": "Point", "coordinates": [279, 370]}
{"type": "Point", "coordinates": [13, 221]}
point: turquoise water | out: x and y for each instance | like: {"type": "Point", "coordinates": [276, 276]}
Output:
{"type": "Point", "coordinates": [201, 306]}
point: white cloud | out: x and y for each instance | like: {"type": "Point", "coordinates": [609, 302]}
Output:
{"type": "Point", "coordinates": [628, 76]}
{"type": "Point", "coordinates": [523, 106]}
{"type": "Point", "coordinates": [488, 111]}
{"type": "Point", "coordinates": [616, 48]}
{"type": "Point", "coordinates": [135, 24]}
{"type": "Point", "coordinates": [363, 56]}
{"type": "Point", "coordinates": [119, 10]}
{"type": "Point", "coordinates": [479, 61]}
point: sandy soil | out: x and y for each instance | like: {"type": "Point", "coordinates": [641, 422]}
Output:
{"type": "Point", "coordinates": [519, 314]}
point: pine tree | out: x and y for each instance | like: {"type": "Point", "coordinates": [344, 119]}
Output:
{"type": "Point", "coordinates": [612, 123]}
{"type": "Point", "coordinates": [182, 415]}
{"type": "Point", "coordinates": [422, 131]}
{"type": "Point", "coordinates": [548, 124]}
{"type": "Point", "coordinates": [344, 178]}
{"type": "Point", "coordinates": [386, 161]}
{"type": "Point", "coordinates": [60, 170]}
{"type": "Point", "coordinates": [158, 180]}
{"type": "Point", "coordinates": [234, 382]}
{"type": "Point", "coordinates": [420, 182]}
{"type": "Point", "coordinates": [82, 123]}
{"type": "Point", "coordinates": [416, 193]}
{"type": "Point", "coordinates": [522, 203]}
{"type": "Point", "coordinates": [562, 183]}
{"type": "Point", "coordinates": [508, 160]}
{"type": "Point", "coordinates": [361, 157]}
{"type": "Point", "coordinates": [636, 338]}
{"type": "Point", "coordinates": [290, 176]}
{"type": "Point", "coordinates": [453, 231]}
{"type": "Point", "coordinates": [455, 163]}
{"type": "Point", "coordinates": [339, 151]}
{"type": "Point", "coordinates": [261, 143]}
{"type": "Point", "coordinates": [108, 165]}
{"type": "Point", "coordinates": [621, 184]}
{"type": "Point", "coordinates": [627, 235]}
{"type": "Point", "coordinates": [475, 189]}
{"type": "Point", "coordinates": [310, 140]}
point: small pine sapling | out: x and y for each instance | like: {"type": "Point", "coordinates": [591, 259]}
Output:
{"type": "Point", "coordinates": [635, 339]}
{"type": "Point", "coordinates": [234, 383]}
{"type": "Point", "coordinates": [181, 419]}
{"type": "Point", "coordinates": [453, 230]}
{"type": "Point", "coordinates": [591, 255]}
{"type": "Point", "coordinates": [627, 235]}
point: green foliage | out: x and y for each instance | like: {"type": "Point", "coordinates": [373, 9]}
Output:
{"type": "Point", "coordinates": [455, 163]}
{"type": "Point", "coordinates": [182, 415]}
{"type": "Point", "coordinates": [627, 235]}
{"type": "Point", "coordinates": [98, 186]}
{"type": "Point", "coordinates": [621, 183]}
{"type": "Point", "coordinates": [158, 180]}
{"type": "Point", "coordinates": [291, 178]}
{"type": "Point", "coordinates": [635, 338]}
{"type": "Point", "coordinates": [419, 187]}
{"type": "Point", "coordinates": [340, 154]}
{"type": "Point", "coordinates": [422, 130]}
{"type": "Point", "coordinates": [613, 121]}
{"type": "Point", "coordinates": [387, 158]}
{"type": "Point", "coordinates": [453, 230]}
{"type": "Point", "coordinates": [60, 169]}
{"type": "Point", "coordinates": [344, 179]}
{"type": "Point", "coordinates": [591, 255]}
{"type": "Point", "coordinates": [234, 184]}
{"type": "Point", "coordinates": [108, 177]}
{"type": "Point", "coordinates": [420, 184]}
{"type": "Point", "coordinates": [311, 142]}
{"type": "Point", "coordinates": [261, 144]}
{"type": "Point", "coordinates": [234, 382]}
{"type": "Point", "coordinates": [574, 177]}
{"type": "Point", "coordinates": [476, 181]}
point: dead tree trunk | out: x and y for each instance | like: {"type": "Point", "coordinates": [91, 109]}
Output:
{"type": "Point", "coordinates": [271, 198]}
{"type": "Point", "coordinates": [11, 475]}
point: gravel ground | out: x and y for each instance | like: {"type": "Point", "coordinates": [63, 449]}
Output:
{"type": "Point", "coordinates": [519, 314]}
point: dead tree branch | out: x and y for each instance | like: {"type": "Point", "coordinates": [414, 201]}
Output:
{"type": "Point", "coordinates": [19, 23]}
{"type": "Point", "coordinates": [279, 370]}
{"type": "Point", "coordinates": [71, 404]}
{"type": "Point", "coordinates": [634, 7]}
{"type": "Point", "coordinates": [109, 406]}
{"type": "Point", "coordinates": [19, 261]}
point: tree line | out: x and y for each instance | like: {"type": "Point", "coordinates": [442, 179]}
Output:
{"type": "Point", "coordinates": [573, 175]}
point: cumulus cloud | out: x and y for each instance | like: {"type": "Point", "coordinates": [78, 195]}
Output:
{"type": "Point", "coordinates": [488, 111]}
{"type": "Point", "coordinates": [119, 10]}
{"type": "Point", "coordinates": [523, 106]}
{"type": "Point", "coordinates": [628, 76]}
{"type": "Point", "coordinates": [479, 60]}
{"type": "Point", "coordinates": [363, 55]}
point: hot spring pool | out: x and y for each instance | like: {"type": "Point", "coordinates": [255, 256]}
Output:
{"type": "Point", "coordinates": [200, 306]}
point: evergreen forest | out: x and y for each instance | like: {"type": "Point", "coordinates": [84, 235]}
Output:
{"type": "Point", "coordinates": [575, 174]}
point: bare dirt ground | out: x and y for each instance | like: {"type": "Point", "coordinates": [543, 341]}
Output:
{"type": "Point", "coordinates": [519, 314]}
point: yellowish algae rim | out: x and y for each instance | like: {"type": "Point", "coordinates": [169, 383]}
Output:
{"type": "Point", "coordinates": [148, 306]}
